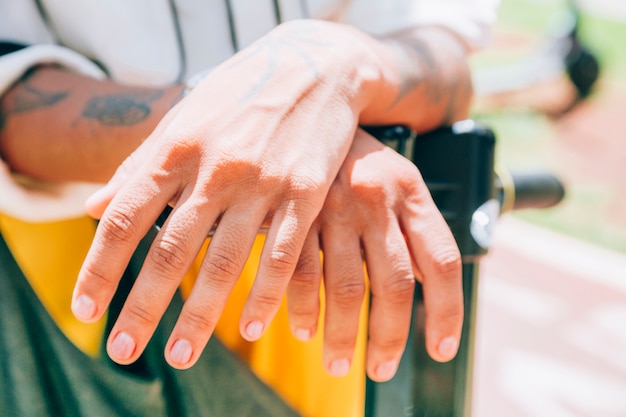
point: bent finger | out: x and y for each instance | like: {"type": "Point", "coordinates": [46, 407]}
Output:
{"type": "Point", "coordinates": [170, 256]}
{"type": "Point", "coordinates": [392, 286]}
{"type": "Point", "coordinates": [303, 292]}
{"type": "Point", "coordinates": [438, 260]}
{"type": "Point", "coordinates": [225, 259]}
{"type": "Point", "coordinates": [344, 283]}
{"type": "Point", "coordinates": [124, 223]}
{"type": "Point", "coordinates": [279, 258]}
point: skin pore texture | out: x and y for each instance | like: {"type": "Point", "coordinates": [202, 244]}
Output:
{"type": "Point", "coordinates": [270, 137]}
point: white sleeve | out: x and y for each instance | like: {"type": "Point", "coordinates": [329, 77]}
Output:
{"type": "Point", "coordinates": [31, 200]}
{"type": "Point", "coordinates": [15, 64]}
{"type": "Point", "coordinates": [471, 19]}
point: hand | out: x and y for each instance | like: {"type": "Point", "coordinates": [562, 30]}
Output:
{"type": "Point", "coordinates": [378, 209]}
{"type": "Point", "coordinates": [254, 142]}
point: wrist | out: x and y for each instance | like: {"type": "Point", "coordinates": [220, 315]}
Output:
{"type": "Point", "coordinates": [425, 80]}
{"type": "Point", "coordinates": [343, 57]}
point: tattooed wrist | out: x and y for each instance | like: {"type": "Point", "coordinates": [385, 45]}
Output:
{"type": "Point", "coordinates": [434, 63]}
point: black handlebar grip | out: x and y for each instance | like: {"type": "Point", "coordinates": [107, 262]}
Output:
{"type": "Point", "coordinates": [535, 189]}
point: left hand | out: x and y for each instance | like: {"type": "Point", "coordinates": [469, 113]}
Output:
{"type": "Point", "coordinates": [380, 210]}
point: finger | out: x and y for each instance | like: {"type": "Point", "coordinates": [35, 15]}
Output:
{"type": "Point", "coordinates": [279, 257]}
{"type": "Point", "coordinates": [169, 258]}
{"type": "Point", "coordinates": [437, 257]}
{"type": "Point", "coordinates": [303, 301]}
{"type": "Point", "coordinates": [225, 259]}
{"type": "Point", "coordinates": [392, 284]}
{"type": "Point", "coordinates": [124, 223]}
{"type": "Point", "coordinates": [345, 289]}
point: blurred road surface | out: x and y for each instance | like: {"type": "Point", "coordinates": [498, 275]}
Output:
{"type": "Point", "coordinates": [551, 338]}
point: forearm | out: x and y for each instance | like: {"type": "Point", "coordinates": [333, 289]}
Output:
{"type": "Point", "coordinates": [425, 80]}
{"type": "Point", "coordinates": [61, 126]}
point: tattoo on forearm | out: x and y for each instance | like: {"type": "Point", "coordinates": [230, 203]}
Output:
{"type": "Point", "coordinates": [29, 98]}
{"type": "Point", "coordinates": [413, 79]}
{"type": "Point", "coordinates": [453, 93]}
{"type": "Point", "coordinates": [121, 109]}
{"type": "Point", "coordinates": [110, 110]}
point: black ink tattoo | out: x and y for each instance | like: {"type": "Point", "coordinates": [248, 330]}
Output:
{"type": "Point", "coordinates": [412, 79]}
{"type": "Point", "coordinates": [28, 98]}
{"type": "Point", "coordinates": [121, 109]}
{"type": "Point", "coordinates": [273, 47]}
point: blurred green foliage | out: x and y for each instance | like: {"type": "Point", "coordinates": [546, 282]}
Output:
{"type": "Point", "coordinates": [526, 138]}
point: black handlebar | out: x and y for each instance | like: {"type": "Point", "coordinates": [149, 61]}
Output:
{"type": "Point", "coordinates": [457, 163]}
{"type": "Point", "coordinates": [533, 189]}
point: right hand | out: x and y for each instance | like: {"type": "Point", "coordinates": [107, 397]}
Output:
{"type": "Point", "coordinates": [380, 211]}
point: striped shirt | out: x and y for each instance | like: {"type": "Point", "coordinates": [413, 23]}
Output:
{"type": "Point", "coordinates": [160, 41]}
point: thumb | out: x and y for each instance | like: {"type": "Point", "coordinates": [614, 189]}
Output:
{"type": "Point", "coordinates": [97, 203]}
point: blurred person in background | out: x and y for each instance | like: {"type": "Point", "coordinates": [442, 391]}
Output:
{"type": "Point", "coordinates": [240, 116]}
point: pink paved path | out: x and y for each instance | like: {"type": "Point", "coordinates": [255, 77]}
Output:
{"type": "Point", "coordinates": [551, 328]}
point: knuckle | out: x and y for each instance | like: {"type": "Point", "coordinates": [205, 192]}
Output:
{"type": "Point", "coordinates": [341, 342]}
{"type": "Point", "coordinates": [304, 314]}
{"type": "Point", "coordinates": [390, 343]}
{"type": "Point", "coordinates": [371, 192]}
{"type": "Point", "coordinates": [141, 315]}
{"type": "Point", "coordinates": [186, 148]}
{"type": "Point", "coordinates": [169, 255]}
{"type": "Point", "coordinates": [222, 264]}
{"type": "Point", "coordinates": [96, 278]}
{"type": "Point", "coordinates": [348, 202]}
{"type": "Point", "coordinates": [305, 281]}
{"type": "Point", "coordinates": [304, 186]}
{"type": "Point", "coordinates": [199, 320]}
{"type": "Point", "coordinates": [117, 225]}
{"type": "Point", "coordinates": [281, 261]}
{"type": "Point", "coordinates": [447, 264]}
{"type": "Point", "coordinates": [271, 299]}
{"type": "Point", "coordinates": [348, 294]}
{"type": "Point", "coordinates": [399, 290]}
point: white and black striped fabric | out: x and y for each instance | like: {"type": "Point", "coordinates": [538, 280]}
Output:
{"type": "Point", "coordinates": [161, 41]}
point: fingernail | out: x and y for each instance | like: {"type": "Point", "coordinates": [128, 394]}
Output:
{"type": "Point", "coordinates": [448, 347]}
{"type": "Point", "coordinates": [254, 330]}
{"type": "Point", "coordinates": [181, 352]}
{"type": "Point", "coordinates": [303, 334]}
{"type": "Point", "coordinates": [84, 308]}
{"type": "Point", "coordinates": [339, 367]}
{"type": "Point", "coordinates": [387, 370]}
{"type": "Point", "coordinates": [122, 346]}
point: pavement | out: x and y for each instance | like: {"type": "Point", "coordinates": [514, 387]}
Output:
{"type": "Point", "coordinates": [551, 330]}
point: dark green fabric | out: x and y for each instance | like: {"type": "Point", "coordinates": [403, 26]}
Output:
{"type": "Point", "coordinates": [43, 374]}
